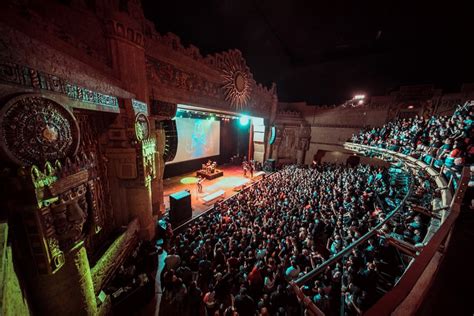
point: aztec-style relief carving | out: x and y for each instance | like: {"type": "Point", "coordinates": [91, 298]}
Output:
{"type": "Point", "coordinates": [234, 86]}
{"type": "Point", "coordinates": [34, 130]}
{"type": "Point", "coordinates": [237, 80]}
{"type": "Point", "coordinates": [98, 196]}
{"type": "Point", "coordinates": [139, 107]}
{"type": "Point", "coordinates": [147, 157]}
{"type": "Point", "coordinates": [67, 209]}
{"type": "Point", "coordinates": [171, 76]}
{"type": "Point", "coordinates": [45, 59]}
{"type": "Point", "coordinates": [142, 127]}
{"type": "Point", "coordinates": [163, 109]}
{"type": "Point", "coordinates": [31, 78]}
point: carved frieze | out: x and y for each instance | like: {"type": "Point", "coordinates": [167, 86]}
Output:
{"type": "Point", "coordinates": [34, 130]}
{"type": "Point", "coordinates": [31, 78]}
{"type": "Point", "coordinates": [173, 77]}
{"type": "Point", "coordinates": [163, 109]}
{"type": "Point", "coordinates": [233, 86]}
{"type": "Point", "coordinates": [139, 107]}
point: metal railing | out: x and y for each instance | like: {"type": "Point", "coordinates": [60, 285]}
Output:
{"type": "Point", "coordinates": [408, 294]}
{"type": "Point", "coordinates": [393, 300]}
{"type": "Point", "coordinates": [317, 271]}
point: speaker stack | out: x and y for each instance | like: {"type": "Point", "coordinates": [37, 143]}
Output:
{"type": "Point", "coordinates": [171, 139]}
{"type": "Point", "coordinates": [180, 207]}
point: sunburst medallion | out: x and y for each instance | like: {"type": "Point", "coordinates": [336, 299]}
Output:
{"type": "Point", "coordinates": [237, 79]}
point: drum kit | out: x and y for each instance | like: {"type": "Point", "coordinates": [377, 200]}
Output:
{"type": "Point", "coordinates": [210, 166]}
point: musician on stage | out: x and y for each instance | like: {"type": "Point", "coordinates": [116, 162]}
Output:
{"type": "Point", "coordinates": [199, 184]}
{"type": "Point", "coordinates": [245, 167]}
{"type": "Point", "coordinates": [252, 169]}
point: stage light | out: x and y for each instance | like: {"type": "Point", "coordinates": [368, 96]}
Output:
{"type": "Point", "coordinates": [189, 180]}
{"type": "Point", "coordinates": [359, 97]}
{"type": "Point", "coordinates": [244, 120]}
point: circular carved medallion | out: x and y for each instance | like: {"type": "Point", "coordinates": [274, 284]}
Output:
{"type": "Point", "coordinates": [142, 127]}
{"type": "Point", "coordinates": [34, 130]}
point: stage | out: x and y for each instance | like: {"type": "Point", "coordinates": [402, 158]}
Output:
{"type": "Point", "coordinates": [233, 178]}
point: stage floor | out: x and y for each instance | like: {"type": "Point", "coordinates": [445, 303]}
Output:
{"type": "Point", "coordinates": [233, 177]}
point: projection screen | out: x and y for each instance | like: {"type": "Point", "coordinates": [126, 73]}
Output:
{"type": "Point", "coordinates": [197, 138]}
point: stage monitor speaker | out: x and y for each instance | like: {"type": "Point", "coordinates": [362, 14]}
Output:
{"type": "Point", "coordinates": [171, 139]}
{"type": "Point", "coordinates": [180, 207]}
{"type": "Point", "coordinates": [269, 165]}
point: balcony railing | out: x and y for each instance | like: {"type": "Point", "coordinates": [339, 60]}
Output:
{"type": "Point", "coordinates": [408, 293]}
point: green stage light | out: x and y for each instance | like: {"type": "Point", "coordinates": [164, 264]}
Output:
{"type": "Point", "coordinates": [244, 120]}
{"type": "Point", "coordinates": [189, 180]}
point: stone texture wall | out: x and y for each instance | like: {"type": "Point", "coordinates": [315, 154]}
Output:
{"type": "Point", "coordinates": [13, 298]}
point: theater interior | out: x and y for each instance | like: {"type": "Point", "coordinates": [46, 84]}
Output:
{"type": "Point", "coordinates": [235, 158]}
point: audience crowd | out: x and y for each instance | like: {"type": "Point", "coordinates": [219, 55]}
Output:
{"type": "Point", "coordinates": [240, 258]}
{"type": "Point", "coordinates": [243, 254]}
{"type": "Point", "coordinates": [442, 141]}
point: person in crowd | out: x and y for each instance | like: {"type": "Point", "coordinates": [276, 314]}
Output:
{"type": "Point", "coordinates": [245, 252]}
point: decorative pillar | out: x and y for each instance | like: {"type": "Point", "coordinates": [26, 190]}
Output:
{"type": "Point", "coordinates": [158, 202]}
{"type": "Point", "coordinates": [304, 134]}
{"type": "Point", "coordinates": [275, 148]}
{"type": "Point", "coordinates": [133, 157]}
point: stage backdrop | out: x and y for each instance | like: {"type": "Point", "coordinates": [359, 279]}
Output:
{"type": "Point", "coordinates": [234, 140]}
{"type": "Point", "coordinates": [196, 139]}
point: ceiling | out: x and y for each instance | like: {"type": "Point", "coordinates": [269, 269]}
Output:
{"type": "Point", "coordinates": [324, 52]}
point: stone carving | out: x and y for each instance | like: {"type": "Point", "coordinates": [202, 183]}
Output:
{"type": "Point", "coordinates": [147, 157]}
{"type": "Point", "coordinates": [237, 79]}
{"type": "Point", "coordinates": [69, 216]}
{"type": "Point", "coordinates": [46, 59]}
{"type": "Point", "coordinates": [26, 76]}
{"type": "Point", "coordinates": [49, 27]}
{"type": "Point", "coordinates": [48, 256]}
{"type": "Point", "coordinates": [142, 127]}
{"type": "Point", "coordinates": [69, 203]}
{"type": "Point", "coordinates": [163, 109]}
{"type": "Point", "coordinates": [124, 32]}
{"type": "Point", "coordinates": [98, 197]}
{"type": "Point", "coordinates": [139, 107]}
{"type": "Point", "coordinates": [34, 130]}
{"type": "Point", "coordinates": [171, 76]}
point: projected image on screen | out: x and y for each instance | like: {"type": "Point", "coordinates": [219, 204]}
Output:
{"type": "Point", "coordinates": [196, 139]}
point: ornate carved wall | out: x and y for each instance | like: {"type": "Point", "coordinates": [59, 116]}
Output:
{"type": "Point", "coordinates": [81, 149]}
{"type": "Point", "coordinates": [293, 135]}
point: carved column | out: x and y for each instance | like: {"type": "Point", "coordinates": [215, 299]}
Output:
{"type": "Point", "coordinates": [131, 158]}
{"type": "Point", "coordinates": [304, 135]}
{"type": "Point", "coordinates": [157, 183]}
{"type": "Point", "coordinates": [131, 170]}
{"type": "Point", "coordinates": [276, 148]}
